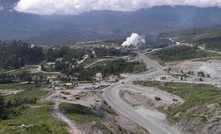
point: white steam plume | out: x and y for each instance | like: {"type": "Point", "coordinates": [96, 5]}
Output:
{"type": "Point", "coordinates": [135, 40]}
{"type": "Point", "coordinates": [74, 7]}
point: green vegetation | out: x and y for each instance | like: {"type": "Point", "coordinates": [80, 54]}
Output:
{"type": "Point", "coordinates": [28, 77]}
{"type": "Point", "coordinates": [157, 42]}
{"type": "Point", "coordinates": [178, 53]}
{"type": "Point", "coordinates": [78, 113]}
{"type": "Point", "coordinates": [207, 59]}
{"type": "Point", "coordinates": [108, 68]}
{"type": "Point", "coordinates": [26, 95]}
{"type": "Point", "coordinates": [105, 67]}
{"type": "Point", "coordinates": [2, 107]}
{"type": "Point", "coordinates": [212, 43]}
{"type": "Point", "coordinates": [111, 51]}
{"type": "Point", "coordinates": [89, 61]}
{"type": "Point", "coordinates": [41, 118]}
{"type": "Point", "coordinates": [21, 109]}
{"type": "Point", "coordinates": [16, 54]}
{"type": "Point", "coordinates": [13, 103]}
{"type": "Point", "coordinates": [22, 86]}
{"type": "Point", "coordinates": [193, 94]}
{"type": "Point", "coordinates": [68, 62]}
{"type": "Point", "coordinates": [210, 37]}
{"type": "Point", "coordinates": [48, 74]}
{"type": "Point", "coordinates": [66, 53]}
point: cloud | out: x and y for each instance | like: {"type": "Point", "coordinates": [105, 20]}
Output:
{"type": "Point", "coordinates": [75, 7]}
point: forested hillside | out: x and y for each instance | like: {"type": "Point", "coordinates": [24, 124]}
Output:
{"type": "Point", "coordinates": [210, 37]}
{"type": "Point", "coordinates": [16, 54]}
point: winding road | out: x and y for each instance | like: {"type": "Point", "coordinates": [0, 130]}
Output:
{"type": "Point", "coordinates": [112, 97]}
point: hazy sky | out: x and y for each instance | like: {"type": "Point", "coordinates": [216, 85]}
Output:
{"type": "Point", "coordinates": [1, 7]}
{"type": "Point", "coordinates": [74, 7]}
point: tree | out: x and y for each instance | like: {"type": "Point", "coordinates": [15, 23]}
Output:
{"type": "Point", "coordinates": [42, 67]}
{"type": "Point", "coordinates": [201, 74]}
{"type": "Point", "coordinates": [2, 107]}
{"type": "Point", "coordinates": [201, 79]}
{"type": "Point", "coordinates": [208, 76]}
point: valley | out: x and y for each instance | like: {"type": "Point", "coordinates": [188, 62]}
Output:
{"type": "Point", "coordinates": [110, 67]}
{"type": "Point", "coordinates": [112, 100]}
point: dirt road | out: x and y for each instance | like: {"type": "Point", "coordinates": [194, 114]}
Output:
{"type": "Point", "coordinates": [57, 113]}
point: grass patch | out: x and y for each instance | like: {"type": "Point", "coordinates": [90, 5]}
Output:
{"type": "Point", "coordinates": [207, 59]}
{"type": "Point", "coordinates": [193, 94]}
{"type": "Point", "coordinates": [19, 112]}
{"type": "Point", "coordinates": [27, 95]}
{"type": "Point", "coordinates": [78, 113]}
{"type": "Point", "coordinates": [49, 74]}
{"type": "Point", "coordinates": [132, 67]}
{"type": "Point", "coordinates": [101, 63]}
{"type": "Point", "coordinates": [89, 61]}
{"type": "Point", "coordinates": [179, 53]}
{"type": "Point", "coordinates": [25, 68]}
{"type": "Point", "coordinates": [22, 86]}
{"type": "Point", "coordinates": [140, 68]}
{"type": "Point", "coordinates": [41, 117]}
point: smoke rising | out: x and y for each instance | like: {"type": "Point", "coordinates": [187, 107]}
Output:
{"type": "Point", "coordinates": [134, 40]}
{"type": "Point", "coordinates": [75, 7]}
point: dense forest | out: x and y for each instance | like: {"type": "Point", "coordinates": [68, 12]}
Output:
{"type": "Point", "coordinates": [66, 53]}
{"type": "Point", "coordinates": [213, 43]}
{"type": "Point", "coordinates": [16, 54]}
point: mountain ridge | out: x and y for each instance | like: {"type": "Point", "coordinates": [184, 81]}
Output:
{"type": "Point", "coordinates": [101, 25]}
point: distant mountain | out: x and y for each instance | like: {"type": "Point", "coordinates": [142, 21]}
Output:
{"type": "Point", "coordinates": [100, 25]}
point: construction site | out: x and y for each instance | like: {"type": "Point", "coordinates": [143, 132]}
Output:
{"type": "Point", "coordinates": [86, 94]}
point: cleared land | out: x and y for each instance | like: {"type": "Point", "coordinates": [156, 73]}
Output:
{"type": "Point", "coordinates": [201, 106]}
